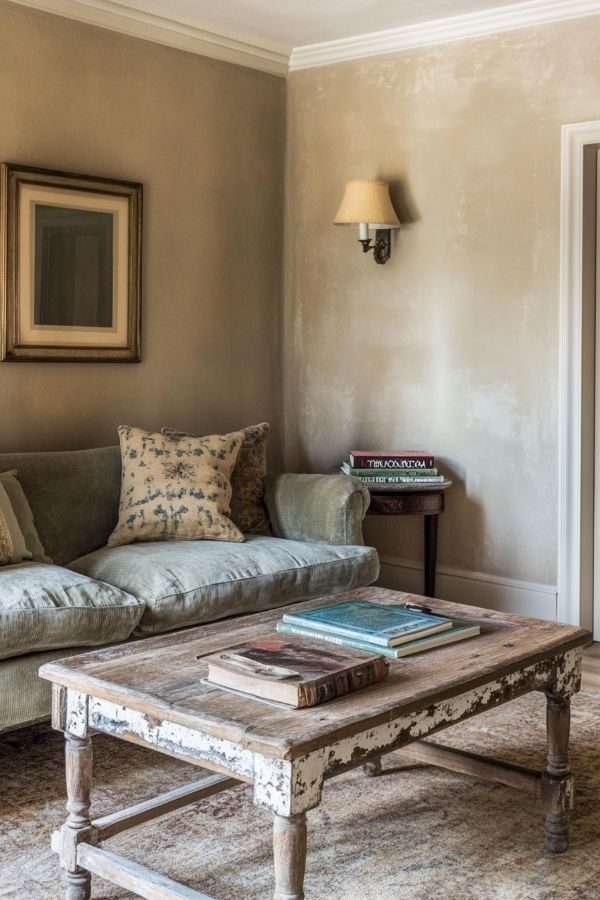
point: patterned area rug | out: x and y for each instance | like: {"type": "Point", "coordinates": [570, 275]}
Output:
{"type": "Point", "coordinates": [415, 833]}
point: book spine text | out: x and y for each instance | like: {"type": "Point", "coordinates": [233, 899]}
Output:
{"type": "Point", "coordinates": [391, 462]}
{"type": "Point", "coordinates": [401, 479]}
{"type": "Point", "coordinates": [406, 472]}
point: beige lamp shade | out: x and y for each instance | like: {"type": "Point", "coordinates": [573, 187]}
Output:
{"type": "Point", "coordinates": [367, 201]}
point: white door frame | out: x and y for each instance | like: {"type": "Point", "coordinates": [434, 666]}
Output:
{"type": "Point", "coordinates": [574, 139]}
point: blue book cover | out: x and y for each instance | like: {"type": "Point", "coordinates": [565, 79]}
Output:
{"type": "Point", "coordinates": [377, 623]}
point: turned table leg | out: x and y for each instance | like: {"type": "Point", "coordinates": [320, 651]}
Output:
{"type": "Point", "coordinates": [78, 755]}
{"type": "Point", "coordinates": [557, 781]}
{"type": "Point", "coordinates": [289, 848]}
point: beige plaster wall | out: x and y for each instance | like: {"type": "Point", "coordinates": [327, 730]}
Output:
{"type": "Point", "coordinates": [207, 140]}
{"type": "Point", "coordinates": [453, 345]}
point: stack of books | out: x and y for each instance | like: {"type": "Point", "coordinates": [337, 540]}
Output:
{"type": "Point", "coordinates": [390, 467]}
{"type": "Point", "coordinates": [392, 630]}
{"type": "Point", "coordinates": [301, 665]}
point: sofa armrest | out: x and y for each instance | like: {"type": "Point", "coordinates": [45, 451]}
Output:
{"type": "Point", "coordinates": [328, 508]}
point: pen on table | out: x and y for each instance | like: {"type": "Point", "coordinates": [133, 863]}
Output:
{"type": "Point", "coordinates": [416, 608]}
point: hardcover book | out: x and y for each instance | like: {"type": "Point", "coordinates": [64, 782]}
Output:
{"type": "Point", "coordinates": [401, 479]}
{"type": "Point", "coordinates": [300, 673]}
{"type": "Point", "coordinates": [379, 624]}
{"type": "Point", "coordinates": [404, 472]}
{"type": "Point", "coordinates": [458, 632]}
{"type": "Point", "coordinates": [391, 459]}
{"type": "Point", "coordinates": [390, 487]}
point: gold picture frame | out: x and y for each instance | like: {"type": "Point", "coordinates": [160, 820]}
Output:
{"type": "Point", "coordinates": [70, 266]}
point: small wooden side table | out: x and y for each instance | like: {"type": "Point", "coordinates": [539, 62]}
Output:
{"type": "Point", "coordinates": [425, 500]}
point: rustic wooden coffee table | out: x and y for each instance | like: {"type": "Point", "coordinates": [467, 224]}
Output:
{"type": "Point", "coordinates": [151, 692]}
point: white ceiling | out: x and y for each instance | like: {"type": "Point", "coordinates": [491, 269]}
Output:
{"type": "Point", "coordinates": [281, 35]}
{"type": "Point", "coordinates": [282, 25]}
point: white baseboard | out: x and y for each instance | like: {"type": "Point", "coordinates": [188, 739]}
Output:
{"type": "Point", "coordinates": [526, 598]}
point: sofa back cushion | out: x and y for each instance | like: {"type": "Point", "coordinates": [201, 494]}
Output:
{"type": "Point", "coordinates": [73, 495]}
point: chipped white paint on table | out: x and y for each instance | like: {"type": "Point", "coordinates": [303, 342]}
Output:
{"type": "Point", "coordinates": [151, 693]}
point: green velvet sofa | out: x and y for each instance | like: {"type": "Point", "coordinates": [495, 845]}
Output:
{"type": "Point", "coordinates": [93, 595]}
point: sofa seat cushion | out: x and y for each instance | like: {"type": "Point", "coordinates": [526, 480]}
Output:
{"type": "Point", "coordinates": [190, 582]}
{"type": "Point", "coordinates": [45, 607]}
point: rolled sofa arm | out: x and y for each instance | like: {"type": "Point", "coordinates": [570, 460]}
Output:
{"type": "Point", "coordinates": [327, 508]}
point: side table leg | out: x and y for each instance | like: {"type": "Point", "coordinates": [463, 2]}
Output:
{"type": "Point", "coordinates": [557, 782]}
{"type": "Point", "coordinates": [372, 769]}
{"type": "Point", "coordinates": [289, 848]}
{"type": "Point", "coordinates": [78, 755]}
{"type": "Point", "coordinates": [431, 529]}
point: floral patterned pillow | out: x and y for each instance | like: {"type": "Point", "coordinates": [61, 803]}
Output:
{"type": "Point", "coordinates": [248, 481]}
{"type": "Point", "coordinates": [175, 487]}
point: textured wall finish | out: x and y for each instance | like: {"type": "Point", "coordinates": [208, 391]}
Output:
{"type": "Point", "coordinates": [452, 345]}
{"type": "Point", "coordinates": [207, 140]}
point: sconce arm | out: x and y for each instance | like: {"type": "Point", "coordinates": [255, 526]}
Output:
{"type": "Point", "coordinates": [382, 248]}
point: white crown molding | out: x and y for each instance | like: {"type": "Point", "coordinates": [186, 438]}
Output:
{"type": "Point", "coordinates": [441, 31]}
{"type": "Point", "coordinates": [277, 60]}
{"type": "Point", "coordinates": [162, 30]}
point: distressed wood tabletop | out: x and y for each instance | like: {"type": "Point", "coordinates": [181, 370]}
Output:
{"type": "Point", "coordinates": [163, 676]}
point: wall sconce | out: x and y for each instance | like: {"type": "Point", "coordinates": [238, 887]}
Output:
{"type": "Point", "coordinates": [368, 205]}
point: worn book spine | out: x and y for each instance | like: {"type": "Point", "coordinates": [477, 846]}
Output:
{"type": "Point", "coordinates": [402, 479]}
{"type": "Point", "coordinates": [361, 461]}
{"type": "Point", "coordinates": [405, 472]}
{"type": "Point", "coordinates": [311, 693]}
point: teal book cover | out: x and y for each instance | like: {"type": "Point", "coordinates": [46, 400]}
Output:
{"type": "Point", "coordinates": [377, 623]}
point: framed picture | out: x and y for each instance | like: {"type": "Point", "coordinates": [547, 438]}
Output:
{"type": "Point", "coordinates": [70, 266]}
